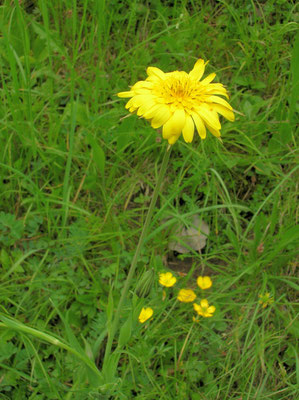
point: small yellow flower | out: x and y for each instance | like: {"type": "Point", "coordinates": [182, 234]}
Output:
{"type": "Point", "coordinates": [179, 102]}
{"type": "Point", "coordinates": [204, 309]}
{"type": "Point", "coordinates": [186, 296]}
{"type": "Point", "coordinates": [145, 314]}
{"type": "Point", "coordinates": [266, 299]}
{"type": "Point", "coordinates": [204, 282]}
{"type": "Point", "coordinates": [167, 279]}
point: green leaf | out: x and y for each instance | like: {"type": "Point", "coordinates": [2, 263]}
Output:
{"type": "Point", "coordinates": [4, 259]}
{"type": "Point", "coordinates": [125, 333]}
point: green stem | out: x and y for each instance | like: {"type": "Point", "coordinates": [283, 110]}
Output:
{"type": "Point", "coordinates": [114, 326]}
{"type": "Point", "coordinates": [183, 348]}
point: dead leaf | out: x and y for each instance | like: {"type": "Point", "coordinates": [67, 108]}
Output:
{"type": "Point", "coordinates": [194, 237]}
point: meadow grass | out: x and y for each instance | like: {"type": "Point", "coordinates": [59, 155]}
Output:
{"type": "Point", "coordinates": [77, 174]}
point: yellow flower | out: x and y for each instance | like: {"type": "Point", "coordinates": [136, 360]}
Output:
{"type": "Point", "coordinates": [145, 314]}
{"type": "Point", "coordinates": [186, 295]}
{"type": "Point", "coordinates": [167, 279]}
{"type": "Point", "coordinates": [179, 101]}
{"type": "Point", "coordinates": [204, 309]}
{"type": "Point", "coordinates": [266, 299]}
{"type": "Point", "coordinates": [204, 282]}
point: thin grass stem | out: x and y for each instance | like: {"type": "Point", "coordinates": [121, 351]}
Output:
{"type": "Point", "coordinates": [114, 326]}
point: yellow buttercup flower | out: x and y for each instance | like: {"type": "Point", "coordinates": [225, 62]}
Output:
{"type": "Point", "coordinates": [186, 296]}
{"type": "Point", "coordinates": [145, 314]}
{"type": "Point", "coordinates": [204, 282]}
{"type": "Point", "coordinates": [167, 279]}
{"type": "Point", "coordinates": [204, 309]}
{"type": "Point", "coordinates": [179, 101]}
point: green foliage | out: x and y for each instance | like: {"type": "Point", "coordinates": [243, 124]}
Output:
{"type": "Point", "coordinates": [76, 176]}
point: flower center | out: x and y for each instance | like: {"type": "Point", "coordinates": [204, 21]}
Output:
{"type": "Point", "coordinates": [179, 90]}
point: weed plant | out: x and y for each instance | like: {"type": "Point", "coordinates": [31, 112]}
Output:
{"type": "Point", "coordinates": [76, 176]}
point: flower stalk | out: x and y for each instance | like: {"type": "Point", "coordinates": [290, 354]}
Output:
{"type": "Point", "coordinates": [114, 326]}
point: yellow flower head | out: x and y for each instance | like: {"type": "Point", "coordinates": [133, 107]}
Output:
{"type": "Point", "coordinates": [145, 314]}
{"type": "Point", "coordinates": [204, 282]}
{"type": "Point", "coordinates": [167, 279]}
{"type": "Point", "coordinates": [186, 296]}
{"type": "Point", "coordinates": [204, 309]}
{"type": "Point", "coordinates": [266, 299]}
{"type": "Point", "coordinates": [179, 101]}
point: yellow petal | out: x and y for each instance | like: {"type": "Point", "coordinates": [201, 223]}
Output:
{"type": "Point", "coordinates": [209, 116]}
{"type": "Point", "coordinates": [198, 70]}
{"type": "Point", "coordinates": [219, 100]}
{"type": "Point", "coordinates": [215, 132]}
{"type": "Point", "coordinates": [141, 99]}
{"type": "Point", "coordinates": [161, 116]}
{"type": "Point", "coordinates": [132, 109]}
{"type": "Point", "coordinates": [208, 79]}
{"type": "Point", "coordinates": [129, 103]}
{"type": "Point", "coordinates": [146, 107]}
{"type": "Point", "coordinates": [188, 129]}
{"type": "Point", "coordinates": [174, 125]}
{"type": "Point", "coordinates": [228, 114]}
{"type": "Point", "coordinates": [204, 303]}
{"type": "Point", "coordinates": [200, 126]}
{"type": "Point", "coordinates": [216, 88]}
{"type": "Point", "coordinates": [125, 94]}
{"type": "Point", "coordinates": [173, 139]}
{"type": "Point", "coordinates": [211, 309]}
{"type": "Point", "coordinates": [142, 85]}
{"type": "Point", "coordinates": [151, 112]}
{"type": "Point", "coordinates": [156, 72]}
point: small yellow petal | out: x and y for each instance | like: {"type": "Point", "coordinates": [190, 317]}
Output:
{"type": "Point", "coordinates": [145, 108]}
{"type": "Point", "coordinates": [141, 99]}
{"type": "Point", "coordinates": [200, 126]}
{"type": "Point", "coordinates": [219, 100]}
{"type": "Point", "coordinates": [161, 116]}
{"type": "Point", "coordinates": [216, 88]}
{"type": "Point", "coordinates": [228, 114]}
{"type": "Point", "coordinates": [125, 94]}
{"type": "Point", "coordinates": [209, 116]}
{"type": "Point", "coordinates": [211, 309]}
{"type": "Point", "coordinates": [129, 103]}
{"type": "Point", "coordinates": [151, 112]}
{"type": "Point", "coordinates": [142, 85]}
{"type": "Point", "coordinates": [173, 139]}
{"type": "Point", "coordinates": [214, 132]}
{"type": "Point", "coordinates": [204, 303]}
{"type": "Point", "coordinates": [156, 72]}
{"type": "Point", "coordinates": [175, 124]}
{"type": "Point", "coordinates": [208, 79]}
{"type": "Point", "coordinates": [198, 70]}
{"type": "Point", "coordinates": [188, 129]}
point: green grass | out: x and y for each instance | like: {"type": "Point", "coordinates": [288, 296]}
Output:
{"type": "Point", "coordinates": [76, 176]}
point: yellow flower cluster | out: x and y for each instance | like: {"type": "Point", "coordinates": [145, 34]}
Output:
{"type": "Point", "coordinates": [167, 279]}
{"type": "Point", "coordinates": [266, 299]}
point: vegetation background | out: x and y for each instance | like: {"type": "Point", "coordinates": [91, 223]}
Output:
{"type": "Point", "coordinates": [76, 179]}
